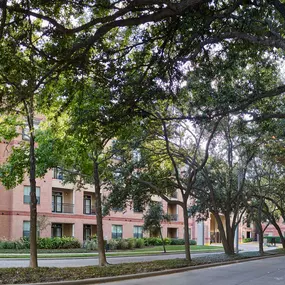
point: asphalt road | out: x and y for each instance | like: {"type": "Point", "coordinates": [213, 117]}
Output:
{"type": "Point", "coordinates": [4, 263]}
{"type": "Point", "coordinates": [261, 272]}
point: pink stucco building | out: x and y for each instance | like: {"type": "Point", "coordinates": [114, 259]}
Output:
{"type": "Point", "coordinates": [63, 211]}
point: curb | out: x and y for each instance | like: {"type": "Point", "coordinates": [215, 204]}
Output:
{"type": "Point", "coordinates": [151, 274]}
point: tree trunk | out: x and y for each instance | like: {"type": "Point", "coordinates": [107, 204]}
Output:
{"type": "Point", "coordinates": [99, 217]}
{"type": "Point", "coordinates": [260, 241]}
{"type": "Point", "coordinates": [259, 227]}
{"type": "Point", "coordinates": [163, 242]}
{"type": "Point", "coordinates": [186, 232]}
{"type": "Point", "coordinates": [282, 239]}
{"type": "Point", "coordinates": [33, 198]}
{"type": "Point", "coordinates": [227, 236]}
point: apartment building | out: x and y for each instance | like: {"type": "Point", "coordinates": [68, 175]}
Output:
{"type": "Point", "coordinates": [64, 211]}
{"type": "Point", "coordinates": [67, 212]}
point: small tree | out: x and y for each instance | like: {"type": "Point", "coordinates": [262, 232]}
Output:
{"type": "Point", "coordinates": [153, 219]}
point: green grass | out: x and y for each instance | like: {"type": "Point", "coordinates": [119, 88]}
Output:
{"type": "Point", "coordinates": [180, 247]}
{"type": "Point", "coordinates": [47, 274]}
{"type": "Point", "coordinates": [82, 253]}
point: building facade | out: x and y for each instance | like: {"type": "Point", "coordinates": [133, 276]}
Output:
{"type": "Point", "coordinates": [64, 211]}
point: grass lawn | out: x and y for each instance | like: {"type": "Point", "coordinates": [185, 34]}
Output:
{"type": "Point", "coordinates": [180, 247]}
{"type": "Point", "coordinates": [47, 274]}
{"type": "Point", "coordinates": [79, 252]}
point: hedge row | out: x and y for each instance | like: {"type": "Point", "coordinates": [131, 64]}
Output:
{"type": "Point", "coordinates": [69, 242]}
{"type": "Point", "coordinates": [43, 243]}
{"type": "Point", "coordinates": [153, 241]}
{"type": "Point", "coordinates": [131, 243]}
{"type": "Point", "coordinates": [277, 239]}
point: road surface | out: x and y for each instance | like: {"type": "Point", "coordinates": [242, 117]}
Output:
{"type": "Point", "coordinates": [90, 261]}
{"type": "Point", "coordinates": [261, 272]}
{"type": "Point", "coordinates": [9, 262]}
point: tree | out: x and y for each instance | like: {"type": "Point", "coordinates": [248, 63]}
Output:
{"type": "Point", "coordinates": [170, 157]}
{"type": "Point", "coordinates": [24, 79]}
{"type": "Point", "coordinates": [153, 218]}
{"type": "Point", "coordinates": [157, 37]}
{"type": "Point", "coordinates": [220, 187]}
{"type": "Point", "coordinates": [269, 178]}
{"type": "Point", "coordinates": [84, 136]}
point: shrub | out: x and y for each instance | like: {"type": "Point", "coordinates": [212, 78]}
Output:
{"type": "Point", "coordinates": [152, 241]}
{"type": "Point", "coordinates": [132, 243]}
{"type": "Point", "coordinates": [269, 239]}
{"type": "Point", "coordinates": [167, 241]}
{"type": "Point", "coordinates": [113, 244]}
{"type": "Point", "coordinates": [123, 244]}
{"type": "Point", "coordinates": [193, 242]}
{"type": "Point", "coordinates": [58, 243]}
{"type": "Point", "coordinates": [247, 240]}
{"type": "Point", "coordinates": [140, 243]}
{"type": "Point", "coordinates": [177, 242]}
{"type": "Point", "coordinates": [91, 245]}
{"type": "Point", "coordinates": [6, 244]}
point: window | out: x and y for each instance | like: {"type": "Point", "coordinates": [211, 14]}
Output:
{"type": "Point", "coordinates": [57, 202]}
{"type": "Point", "coordinates": [138, 232]}
{"type": "Point", "coordinates": [87, 232]}
{"type": "Point", "coordinates": [57, 174]}
{"type": "Point", "coordinates": [87, 205]}
{"type": "Point", "coordinates": [117, 231]}
{"type": "Point", "coordinates": [27, 197]}
{"type": "Point", "coordinates": [26, 229]}
{"type": "Point", "coordinates": [56, 230]}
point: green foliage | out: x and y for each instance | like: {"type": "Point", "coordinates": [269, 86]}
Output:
{"type": "Point", "coordinates": [269, 239]}
{"type": "Point", "coordinates": [131, 243]}
{"type": "Point", "coordinates": [153, 217]}
{"type": "Point", "coordinates": [123, 244]}
{"type": "Point", "coordinates": [140, 243]}
{"type": "Point", "coordinates": [91, 245]}
{"type": "Point", "coordinates": [22, 243]}
{"type": "Point", "coordinates": [8, 127]}
{"type": "Point", "coordinates": [245, 240]}
{"type": "Point", "coordinates": [58, 243]}
{"type": "Point", "coordinates": [113, 244]}
{"type": "Point", "coordinates": [12, 172]}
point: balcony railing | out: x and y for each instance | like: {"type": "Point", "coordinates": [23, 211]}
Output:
{"type": "Point", "coordinates": [89, 210]}
{"type": "Point", "coordinates": [62, 208]}
{"type": "Point", "coordinates": [173, 217]}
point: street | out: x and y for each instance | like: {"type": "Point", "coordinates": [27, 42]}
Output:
{"type": "Point", "coordinates": [62, 262]}
{"type": "Point", "coordinates": [9, 262]}
{"type": "Point", "coordinates": [261, 272]}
